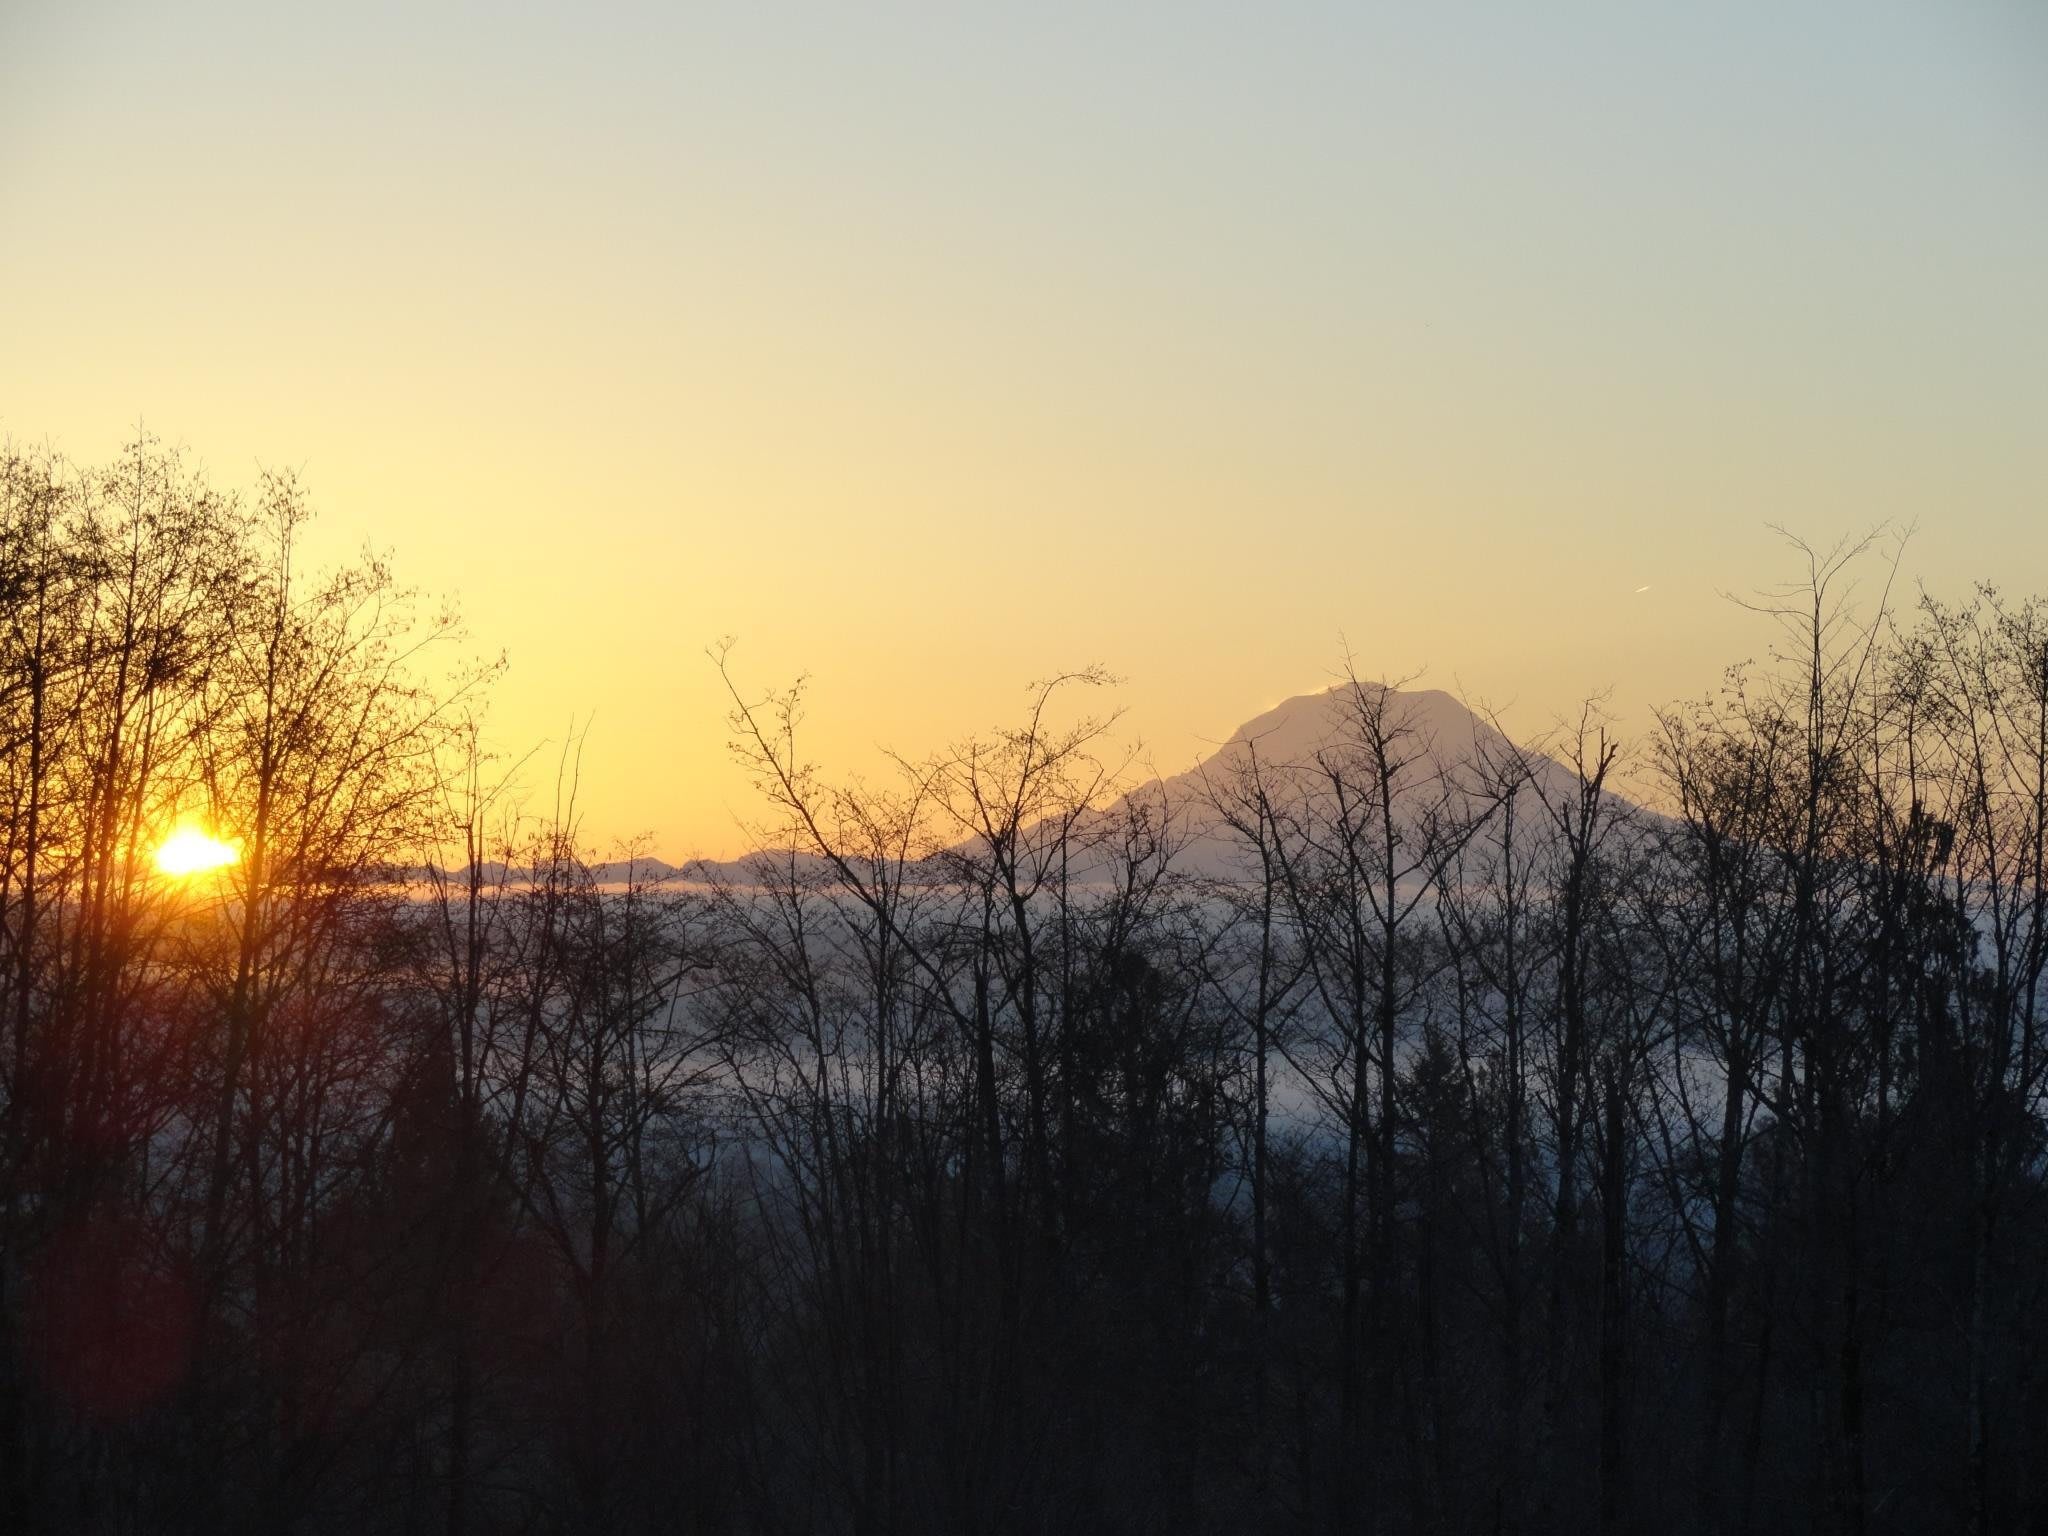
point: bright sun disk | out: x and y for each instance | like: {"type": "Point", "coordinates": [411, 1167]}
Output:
{"type": "Point", "coordinates": [189, 851]}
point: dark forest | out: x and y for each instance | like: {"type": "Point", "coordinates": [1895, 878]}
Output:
{"type": "Point", "coordinates": [1386, 1137]}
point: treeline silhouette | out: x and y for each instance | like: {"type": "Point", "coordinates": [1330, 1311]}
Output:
{"type": "Point", "coordinates": [1467, 1148]}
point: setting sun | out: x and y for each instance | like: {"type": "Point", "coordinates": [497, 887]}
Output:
{"type": "Point", "coordinates": [190, 851]}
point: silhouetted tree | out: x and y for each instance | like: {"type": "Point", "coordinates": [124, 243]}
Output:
{"type": "Point", "coordinates": [1391, 1137]}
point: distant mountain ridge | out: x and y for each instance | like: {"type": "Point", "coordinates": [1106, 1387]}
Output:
{"type": "Point", "coordinates": [1291, 733]}
{"type": "Point", "coordinates": [1295, 730]}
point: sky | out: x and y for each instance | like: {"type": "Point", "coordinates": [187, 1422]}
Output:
{"type": "Point", "coordinates": [929, 350]}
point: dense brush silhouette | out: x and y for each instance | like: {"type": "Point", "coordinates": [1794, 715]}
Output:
{"type": "Point", "coordinates": [1382, 1127]}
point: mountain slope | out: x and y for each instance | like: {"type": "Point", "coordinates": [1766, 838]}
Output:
{"type": "Point", "coordinates": [1290, 738]}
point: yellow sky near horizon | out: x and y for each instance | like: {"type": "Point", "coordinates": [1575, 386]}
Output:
{"type": "Point", "coordinates": [928, 353]}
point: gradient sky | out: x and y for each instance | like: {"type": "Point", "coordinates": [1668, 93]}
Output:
{"type": "Point", "coordinates": [932, 349]}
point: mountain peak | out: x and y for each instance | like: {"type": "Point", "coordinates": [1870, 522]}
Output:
{"type": "Point", "coordinates": [1294, 732]}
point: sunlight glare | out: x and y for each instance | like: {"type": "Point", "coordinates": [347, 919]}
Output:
{"type": "Point", "coordinates": [189, 851]}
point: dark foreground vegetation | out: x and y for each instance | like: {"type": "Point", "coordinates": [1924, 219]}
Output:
{"type": "Point", "coordinates": [1469, 1151]}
